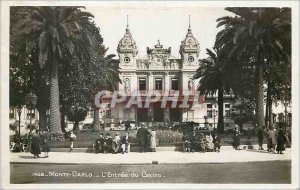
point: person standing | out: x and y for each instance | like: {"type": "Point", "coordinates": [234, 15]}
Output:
{"type": "Point", "coordinates": [35, 144]}
{"type": "Point", "coordinates": [127, 125]}
{"type": "Point", "coordinates": [45, 143]}
{"type": "Point", "coordinates": [271, 139]}
{"type": "Point", "coordinates": [116, 145]}
{"type": "Point", "coordinates": [125, 143]}
{"type": "Point", "coordinates": [142, 135]}
{"type": "Point", "coordinates": [72, 139]}
{"type": "Point", "coordinates": [193, 141]}
{"type": "Point", "coordinates": [153, 140]}
{"type": "Point", "coordinates": [236, 140]}
{"type": "Point", "coordinates": [260, 136]}
{"type": "Point", "coordinates": [217, 142]}
{"type": "Point", "coordinates": [280, 142]}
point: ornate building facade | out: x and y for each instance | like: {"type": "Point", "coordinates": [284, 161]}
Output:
{"type": "Point", "coordinates": [161, 72]}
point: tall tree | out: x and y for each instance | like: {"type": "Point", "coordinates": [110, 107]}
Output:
{"type": "Point", "coordinates": [52, 30]}
{"type": "Point", "coordinates": [255, 34]}
{"type": "Point", "coordinates": [214, 79]}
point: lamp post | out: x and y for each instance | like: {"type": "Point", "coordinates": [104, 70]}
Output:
{"type": "Point", "coordinates": [19, 110]}
{"type": "Point", "coordinates": [285, 103]}
{"type": "Point", "coordinates": [103, 115]}
{"type": "Point", "coordinates": [30, 101]}
{"type": "Point", "coordinates": [214, 114]}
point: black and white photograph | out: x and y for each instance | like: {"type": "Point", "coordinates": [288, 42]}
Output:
{"type": "Point", "coordinates": [149, 95]}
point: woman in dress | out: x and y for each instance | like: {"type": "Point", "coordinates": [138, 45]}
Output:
{"type": "Point", "coordinates": [35, 144]}
{"type": "Point", "coordinates": [46, 143]}
{"type": "Point", "coordinates": [153, 140]}
{"type": "Point", "coordinates": [72, 139]}
{"type": "Point", "coordinates": [280, 142]}
{"type": "Point", "coordinates": [237, 134]}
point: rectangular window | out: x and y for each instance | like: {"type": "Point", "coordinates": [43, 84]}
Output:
{"type": "Point", "coordinates": [158, 84]}
{"type": "Point", "coordinates": [227, 106]}
{"type": "Point", "coordinates": [108, 113]}
{"type": "Point", "coordinates": [175, 84]}
{"type": "Point", "coordinates": [209, 113]}
{"type": "Point", "coordinates": [91, 113]}
{"type": "Point", "coordinates": [12, 113]}
{"type": "Point", "coordinates": [227, 113]}
{"type": "Point", "coordinates": [209, 106]}
{"type": "Point", "coordinates": [32, 113]}
{"type": "Point", "coordinates": [142, 83]}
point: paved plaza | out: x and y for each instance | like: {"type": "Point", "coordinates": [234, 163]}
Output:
{"type": "Point", "coordinates": [162, 157]}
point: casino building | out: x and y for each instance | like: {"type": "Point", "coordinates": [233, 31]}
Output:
{"type": "Point", "coordinates": [161, 72]}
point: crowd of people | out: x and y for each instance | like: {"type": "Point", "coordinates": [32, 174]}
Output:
{"type": "Point", "coordinates": [34, 141]}
{"type": "Point", "coordinates": [202, 143]}
{"type": "Point", "coordinates": [108, 144]}
{"type": "Point", "coordinates": [37, 142]}
{"type": "Point", "coordinates": [276, 141]}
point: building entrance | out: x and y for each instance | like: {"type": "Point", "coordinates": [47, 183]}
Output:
{"type": "Point", "coordinates": [158, 112]}
{"type": "Point", "coordinates": [175, 115]}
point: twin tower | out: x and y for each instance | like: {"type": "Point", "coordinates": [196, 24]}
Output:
{"type": "Point", "coordinates": [158, 57]}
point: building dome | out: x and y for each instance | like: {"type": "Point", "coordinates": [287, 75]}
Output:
{"type": "Point", "coordinates": [189, 44]}
{"type": "Point", "coordinates": [127, 43]}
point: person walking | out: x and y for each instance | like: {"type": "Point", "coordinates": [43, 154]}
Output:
{"type": "Point", "coordinates": [72, 139]}
{"type": "Point", "coordinates": [260, 136]}
{"type": "Point", "coordinates": [142, 135]}
{"type": "Point", "coordinates": [45, 143]}
{"type": "Point", "coordinates": [35, 144]}
{"type": "Point", "coordinates": [236, 140]}
{"type": "Point", "coordinates": [271, 140]}
{"type": "Point", "coordinates": [153, 140]}
{"type": "Point", "coordinates": [281, 140]}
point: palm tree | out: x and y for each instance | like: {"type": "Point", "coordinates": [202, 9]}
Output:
{"type": "Point", "coordinates": [56, 31]}
{"type": "Point", "coordinates": [108, 80]}
{"type": "Point", "coordinates": [255, 34]}
{"type": "Point", "coordinates": [213, 80]}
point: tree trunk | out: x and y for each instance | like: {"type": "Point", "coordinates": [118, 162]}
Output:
{"type": "Point", "coordinates": [96, 119]}
{"type": "Point", "coordinates": [62, 120]}
{"type": "Point", "coordinates": [42, 119]}
{"type": "Point", "coordinates": [76, 126]}
{"type": "Point", "coordinates": [259, 95]}
{"type": "Point", "coordinates": [220, 126]}
{"type": "Point", "coordinates": [267, 106]}
{"type": "Point", "coordinates": [270, 112]}
{"type": "Point", "coordinates": [55, 125]}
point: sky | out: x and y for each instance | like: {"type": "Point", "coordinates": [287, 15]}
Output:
{"type": "Point", "coordinates": [148, 24]}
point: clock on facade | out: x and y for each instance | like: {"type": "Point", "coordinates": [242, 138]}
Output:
{"type": "Point", "coordinates": [191, 59]}
{"type": "Point", "coordinates": [126, 59]}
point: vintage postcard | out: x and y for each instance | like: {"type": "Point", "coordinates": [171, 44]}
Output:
{"type": "Point", "coordinates": [149, 95]}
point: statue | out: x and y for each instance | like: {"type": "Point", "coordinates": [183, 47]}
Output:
{"type": "Point", "coordinates": [126, 84]}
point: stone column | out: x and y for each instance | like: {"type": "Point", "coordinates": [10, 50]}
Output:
{"type": "Point", "coordinates": [150, 82]}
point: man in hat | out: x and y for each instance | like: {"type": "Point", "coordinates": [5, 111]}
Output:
{"type": "Point", "coordinates": [107, 145]}
{"type": "Point", "coordinates": [125, 143]}
{"type": "Point", "coordinates": [99, 143]}
{"type": "Point", "coordinates": [142, 135]}
{"type": "Point", "coordinates": [260, 136]}
{"type": "Point", "coordinates": [236, 139]}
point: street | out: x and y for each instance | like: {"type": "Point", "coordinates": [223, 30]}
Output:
{"type": "Point", "coordinates": [278, 172]}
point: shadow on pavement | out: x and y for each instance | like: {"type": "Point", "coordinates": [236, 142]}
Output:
{"type": "Point", "coordinates": [259, 151]}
